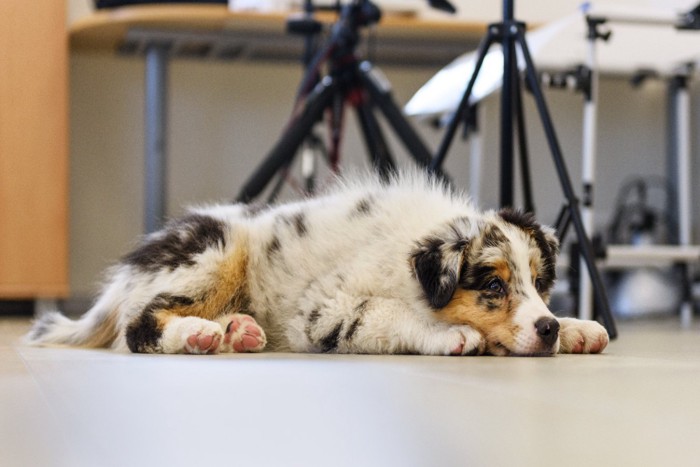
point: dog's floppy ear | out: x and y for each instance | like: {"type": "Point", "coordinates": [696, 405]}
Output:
{"type": "Point", "coordinates": [545, 236]}
{"type": "Point", "coordinates": [437, 264]}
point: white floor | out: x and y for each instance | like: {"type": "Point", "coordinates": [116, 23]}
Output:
{"type": "Point", "coordinates": [638, 404]}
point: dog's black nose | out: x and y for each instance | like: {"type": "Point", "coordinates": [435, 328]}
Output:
{"type": "Point", "coordinates": [548, 330]}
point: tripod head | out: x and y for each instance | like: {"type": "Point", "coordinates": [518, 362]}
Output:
{"type": "Point", "coordinates": [367, 9]}
{"type": "Point", "coordinates": [359, 13]}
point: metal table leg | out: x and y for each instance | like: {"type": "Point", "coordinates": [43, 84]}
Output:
{"type": "Point", "coordinates": [156, 96]}
{"type": "Point", "coordinates": [684, 187]}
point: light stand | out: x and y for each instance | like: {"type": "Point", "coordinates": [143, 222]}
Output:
{"type": "Point", "coordinates": [590, 130]}
{"type": "Point", "coordinates": [681, 96]}
{"type": "Point", "coordinates": [509, 33]}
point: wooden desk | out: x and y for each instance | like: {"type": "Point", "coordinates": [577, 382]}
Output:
{"type": "Point", "coordinates": [161, 33]}
{"type": "Point", "coordinates": [108, 30]}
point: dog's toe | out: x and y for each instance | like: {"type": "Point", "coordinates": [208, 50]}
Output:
{"type": "Point", "coordinates": [202, 343]}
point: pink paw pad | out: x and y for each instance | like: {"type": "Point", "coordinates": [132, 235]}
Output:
{"type": "Point", "coordinates": [458, 349]}
{"type": "Point", "coordinates": [468, 345]}
{"type": "Point", "coordinates": [244, 335]}
{"type": "Point", "coordinates": [202, 344]}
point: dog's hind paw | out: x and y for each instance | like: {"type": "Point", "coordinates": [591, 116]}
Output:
{"type": "Point", "coordinates": [243, 334]}
{"type": "Point", "coordinates": [193, 336]}
{"type": "Point", "coordinates": [200, 343]}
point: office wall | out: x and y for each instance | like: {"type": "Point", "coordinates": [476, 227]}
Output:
{"type": "Point", "coordinates": [225, 116]}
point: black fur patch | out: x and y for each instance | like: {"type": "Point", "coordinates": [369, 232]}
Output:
{"type": "Point", "coordinates": [330, 342]}
{"type": "Point", "coordinates": [273, 247]}
{"type": "Point", "coordinates": [489, 301]}
{"type": "Point", "coordinates": [494, 237]}
{"type": "Point", "coordinates": [313, 316]}
{"type": "Point", "coordinates": [353, 327]}
{"type": "Point", "coordinates": [300, 224]}
{"type": "Point", "coordinates": [143, 334]}
{"type": "Point", "coordinates": [298, 221]}
{"type": "Point", "coordinates": [459, 245]}
{"type": "Point", "coordinates": [363, 207]}
{"type": "Point", "coordinates": [357, 322]}
{"type": "Point", "coordinates": [522, 219]}
{"type": "Point", "coordinates": [362, 307]}
{"type": "Point", "coordinates": [477, 277]}
{"type": "Point", "coordinates": [311, 320]}
{"type": "Point", "coordinates": [178, 243]}
{"type": "Point", "coordinates": [437, 280]}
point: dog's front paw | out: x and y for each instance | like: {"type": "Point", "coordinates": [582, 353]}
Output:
{"type": "Point", "coordinates": [464, 340]}
{"type": "Point", "coordinates": [580, 336]}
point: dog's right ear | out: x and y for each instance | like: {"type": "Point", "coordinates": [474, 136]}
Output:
{"type": "Point", "coordinates": [437, 264]}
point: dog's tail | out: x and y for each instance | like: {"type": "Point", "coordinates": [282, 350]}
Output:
{"type": "Point", "coordinates": [96, 328]}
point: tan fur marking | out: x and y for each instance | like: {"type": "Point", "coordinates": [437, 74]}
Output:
{"type": "Point", "coordinates": [105, 333]}
{"type": "Point", "coordinates": [495, 325]}
{"type": "Point", "coordinates": [229, 293]}
{"type": "Point", "coordinates": [502, 270]}
{"type": "Point", "coordinates": [163, 317]}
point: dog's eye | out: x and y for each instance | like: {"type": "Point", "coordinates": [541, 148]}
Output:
{"type": "Point", "coordinates": [496, 285]}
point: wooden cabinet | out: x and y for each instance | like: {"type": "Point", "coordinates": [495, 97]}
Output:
{"type": "Point", "coordinates": [33, 149]}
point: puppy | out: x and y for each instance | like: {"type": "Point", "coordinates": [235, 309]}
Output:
{"type": "Point", "coordinates": [405, 266]}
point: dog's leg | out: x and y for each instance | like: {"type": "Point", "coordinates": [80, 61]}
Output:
{"type": "Point", "coordinates": [169, 324]}
{"type": "Point", "coordinates": [385, 326]}
{"type": "Point", "coordinates": [579, 336]}
{"type": "Point", "coordinates": [162, 331]}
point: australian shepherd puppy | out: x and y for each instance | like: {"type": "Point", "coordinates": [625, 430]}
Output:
{"type": "Point", "coordinates": [405, 266]}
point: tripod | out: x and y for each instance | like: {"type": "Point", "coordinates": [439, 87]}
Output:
{"type": "Point", "coordinates": [348, 80]}
{"type": "Point", "coordinates": [509, 33]}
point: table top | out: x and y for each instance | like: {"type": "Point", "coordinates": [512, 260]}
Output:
{"type": "Point", "coordinates": [104, 30]}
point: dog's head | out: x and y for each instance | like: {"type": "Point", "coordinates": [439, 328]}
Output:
{"type": "Point", "coordinates": [494, 274]}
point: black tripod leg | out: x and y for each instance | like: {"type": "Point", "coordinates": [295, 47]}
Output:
{"type": "Point", "coordinates": [562, 223]}
{"type": "Point", "coordinates": [584, 243]}
{"type": "Point", "coordinates": [374, 140]}
{"type": "Point", "coordinates": [523, 151]}
{"type": "Point", "coordinates": [510, 81]}
{"type": "Point", "coordinates": [284, 151]}
{"type": "Point", "coordinates": [379, 91]}
{"type": "Point", "coordinates": [484, 46]}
